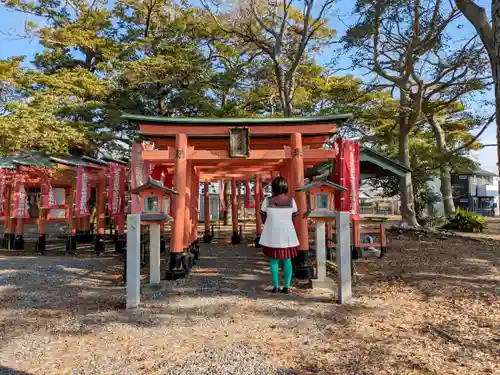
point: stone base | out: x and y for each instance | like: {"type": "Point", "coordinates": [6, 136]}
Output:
{"type": "Point", "coordinates": [175, 275]}
{"type": "Point", "coordinates": [195, 251]}
{"type": "Point", "coordinates": [208, 237]}
{"type": "Point", "coordinates": [120, 243]}
{"type": "Point", "coordinates": [40, 245]}
{"type": "Point", "coordinates": [236, 238]}
{"type": "Point", "coordinates": [71, 245]}
{"type": "Point", "coordinates": [8, 240]}
{"type": "Point", "coordinates": [383, 250]}
{"type": "Point", "coordinates": [19, 242]}
{"type": "Point", "coordinates": [84, 236]}
{"type": "Point", "coordinates": [178, 267]}
{"type": "Point", "coordinates": [189, 260]}
{"type": "Point", "coordinates": [323, 284]}
{"type": "Point", "coordinates": [356, 253]}
{"type": "Point", "coordinates": [304, 273]}
{"type": "Point", "coordinates": [99, 244]}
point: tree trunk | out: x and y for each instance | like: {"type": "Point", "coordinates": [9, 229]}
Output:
{"type": "Point", "coordinates": [405, 185]}
{"type": "Point", "coordinates": [490, 36]}
{"type": "Point", "coordinates": [227, 201]}
{"type": "Point", "coordinates": [444, 170]}
{"type": "Point", "coordinates": [495, 16]}
{"type": "Point", "coordinates": [446, 190]}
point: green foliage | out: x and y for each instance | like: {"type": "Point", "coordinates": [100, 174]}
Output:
{"type": "Point", "coordinates": [433, 221]}
{"type": "Point", "coordinates": [101, 58]}
{"type": "Point", "coordinates": [464, 221]}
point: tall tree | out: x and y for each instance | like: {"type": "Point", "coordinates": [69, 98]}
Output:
{"type": "Point", "coordinates": [282, 32]}
{"type": "Point", "coordinates": [162, 69]}
{"type": "Point", "coordinates": [489, 32]}
{"type": "Point", "coordinates": [400, 42]}
{"type": "Point", "coordinates": [67, 90]}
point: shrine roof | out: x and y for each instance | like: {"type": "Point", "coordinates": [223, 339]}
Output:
{"type": "Point", "coordinates": [321, 182]}
{"type": "Point", "coordinates": [40, 159]}
{"type": "Point", "coordinates": [371, 162]}
{"type": "Point", "coordinates": [153, 184]}
{"type": "Point", "coordinates": [218, 121]}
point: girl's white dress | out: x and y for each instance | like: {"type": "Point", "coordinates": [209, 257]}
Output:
{"type": "Point", "coordinates": [279, 232]}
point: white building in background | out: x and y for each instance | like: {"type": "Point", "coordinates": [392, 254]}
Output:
{"type": "Point", "coordinates": [214, 190]}
{"type": "Point", "coordinates": [214, 202]}
{"type": "Point", "coordinates": [473, 190]}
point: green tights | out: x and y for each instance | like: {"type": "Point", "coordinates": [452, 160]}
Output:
{"type": "Point", "coordinates": [287, 268]}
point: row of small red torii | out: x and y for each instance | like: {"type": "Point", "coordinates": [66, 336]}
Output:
{"type": "Point", "coordinates": [14, 205]}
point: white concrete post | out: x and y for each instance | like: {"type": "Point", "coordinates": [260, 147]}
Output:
{"type": "Point", "coordinates": [343, 255]}
{"type": "Point", "coordinates": [154, 253]}
{"type": "Point", "coordinates": [320, 250]}
{"type": "Point", "coordinates": [133, 261]}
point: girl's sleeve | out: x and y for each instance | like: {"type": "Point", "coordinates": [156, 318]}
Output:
{"type": "Point", "coordinates": [295, 210]}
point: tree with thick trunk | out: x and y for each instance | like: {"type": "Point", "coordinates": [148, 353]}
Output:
{"type": "Point", "coordinates": [490, 36]}
{"type": "Point", "coordinates": [284, 34]}
{"type": "Point", "coordinates": [406, 44]}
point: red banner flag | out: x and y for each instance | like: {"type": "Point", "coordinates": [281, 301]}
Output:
{"type": "Point", "coordinates": [347, 175]}
{"type": "Point", "coordinates": [141, 170]}
{"type": "Point", "coordinates": [82, 193]}
{"type": "Point", "coordinates": [116, 189]}
{"type": "Point", "coordinates": [21, 204]}
{"type": "Point", "coordinates": [47, 195]}
{"type": "Point", "coordinates": [3, 192]}
{"type": "Point", "coordinates": [249, 199]}
{"type": "Point", "coordinates": [222, 196]}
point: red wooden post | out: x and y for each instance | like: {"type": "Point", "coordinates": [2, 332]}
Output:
{"type": "Point", "coordinates": [206, 212]}
{"type": "Point", "coordinates": [234, 212]}
{"type": "Point", "coordinates": [300, 197]}
{"type": "Point", "coordinates": [19, 241]}
{"type": "Point", "coordinates": [41, 228]}
{"type": "Point", "coordinates": [177, 239]}
{"type": "Point", "coordinates": [196, 212]}
{"type": "Point", "coordinates": [383, 240]}
{"type": "Point", "coordinates": [187, 207]}
{"type": "Point", "coordinates": [101, 216]}
{"type": "Point", "coordinates": [70, 209]}
{"type": "Point", "coordinates": [7, 222]}
{"type": "Point", "coordinates": [356, 238]}
{"type": "Point", "coordinates": [258, 203]}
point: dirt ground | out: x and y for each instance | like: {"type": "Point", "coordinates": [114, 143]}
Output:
{"type": "Point", "coordinates": [431, 306]}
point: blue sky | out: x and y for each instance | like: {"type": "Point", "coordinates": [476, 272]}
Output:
{"type": "Point", "coordinates": [13, 23]}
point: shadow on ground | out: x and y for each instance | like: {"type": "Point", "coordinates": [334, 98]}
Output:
{"type": "Point", "coordinates": [38, 292]}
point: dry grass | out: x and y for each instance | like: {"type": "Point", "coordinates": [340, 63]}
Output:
{"type": "Point", "coordinates": [430, 307]}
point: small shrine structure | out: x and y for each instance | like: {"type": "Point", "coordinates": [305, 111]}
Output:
{"type": "Point", "coordinates": [38, 189]}
{"type": "Point", "coordinates": [320, 194]}
{"type": "Point", "coordinates": [155, 202]}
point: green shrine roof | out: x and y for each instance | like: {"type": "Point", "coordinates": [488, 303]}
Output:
{"type": "Point", "coordinates": [214, 121]}
{"type": "Point", "coordinates": [371, 162]}
{"type": "Point", "coordinates": [321, 182]}
{"type": "Point", "coordinates": [40, 159]}
{"type": "Point", "coordinates": [154, 185]}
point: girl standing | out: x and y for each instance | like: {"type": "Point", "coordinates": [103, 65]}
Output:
{"type": "Point", "coordinates": [279, 239]}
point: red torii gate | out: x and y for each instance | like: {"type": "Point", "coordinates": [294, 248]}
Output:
{"type": "Point", "coordinates": [212, 149]}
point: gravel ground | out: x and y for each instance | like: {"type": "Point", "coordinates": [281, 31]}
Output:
{"type": "Point", "coordinates": [429, 308]}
